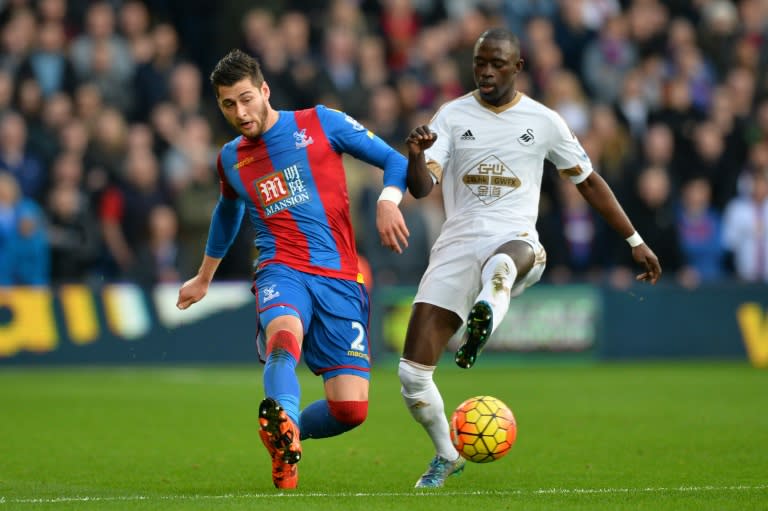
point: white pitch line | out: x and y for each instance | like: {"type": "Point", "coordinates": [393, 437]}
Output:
{"type": "Point", "coordinates": [415, 493]}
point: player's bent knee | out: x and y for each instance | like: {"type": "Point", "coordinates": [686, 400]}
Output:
{"type": "Point", "coordinates": [284, 340]}
{"type": "Point", "coordinates": [349, 413]}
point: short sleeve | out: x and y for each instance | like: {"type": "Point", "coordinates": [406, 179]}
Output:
{"type": "Point", "coordinates": [566, 152]}
{"type": "Point", "coordinates": [438, 155]}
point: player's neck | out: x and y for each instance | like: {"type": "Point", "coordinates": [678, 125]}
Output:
{"type": "Point", "coordinates": [507, 99]}
{"type": "Point", "coordinates": [501, 104]}
{"type": "Point", "coordinates": [272, 117]}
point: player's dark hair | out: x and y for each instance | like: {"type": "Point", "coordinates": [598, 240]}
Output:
{"type": "Point", "coordinates": [233, 67]}
{"type": "Point", "coordinates": [501, 34]}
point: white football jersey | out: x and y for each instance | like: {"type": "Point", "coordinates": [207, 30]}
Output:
{"type": "Point", "coordinates": [490, 162]}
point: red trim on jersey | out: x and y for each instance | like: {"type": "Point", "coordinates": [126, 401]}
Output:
{"type": "Point", "coordinates": [356, 368]}
{"type": "Point", "coordinates": [224, 187]}
{"type": "Point", "coordinates": [288, 237]}
{"type": "Point", "coordinates": [331, 183]}
{"type": "Point", "coordinates": [365, 298]}
{"type": "Point", "coordinates": [276, 304]}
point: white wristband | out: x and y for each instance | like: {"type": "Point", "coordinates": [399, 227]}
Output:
{"type": "Point", "coordinates": [635, 240]}
{"type": "Point", "coordinates": [392, 194]}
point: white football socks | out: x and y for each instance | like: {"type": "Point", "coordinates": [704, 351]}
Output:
{"type": "Point", "coordinates": [426, 405]}
{"type": "Point", "coordinates": [498, 277]}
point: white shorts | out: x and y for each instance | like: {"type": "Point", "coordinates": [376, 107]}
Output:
{"type": "Point", "coordinates": [453, 278]}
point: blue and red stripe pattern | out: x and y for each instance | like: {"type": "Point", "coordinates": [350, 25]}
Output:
{"type": "Point", "coordinates": [293, 184]}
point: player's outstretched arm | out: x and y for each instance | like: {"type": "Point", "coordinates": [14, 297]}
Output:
{"type": "Point", "coordinates": [195, 289]}
{"type": "Point", "coordinates": [391, 226]}
{"type": "Point", "coordinates": [600, 196]}
{"type": "Point", "coordinates": [419, 178]}
{"type": "Point", "coordinates": [225, 222]}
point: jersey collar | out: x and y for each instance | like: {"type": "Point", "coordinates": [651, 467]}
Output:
{"type": "Point", "coordinates": [498, 109]}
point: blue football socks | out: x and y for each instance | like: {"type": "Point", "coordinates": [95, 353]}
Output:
{"type": "Point", "coordinates": [281, 382]}
{"type": "Point", "coordinates": [316, 421]}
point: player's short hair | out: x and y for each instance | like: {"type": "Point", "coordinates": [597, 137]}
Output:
{"type": "Point", "coordinates": [233, 67]}
{"type": "Point", "coordinates": [501, 34]}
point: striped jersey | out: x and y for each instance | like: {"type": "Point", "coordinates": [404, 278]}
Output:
{"type": "Point", "coordinates": [292, 185]}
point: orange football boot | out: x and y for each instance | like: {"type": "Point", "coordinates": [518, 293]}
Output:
{"type": "Point", "coordinates": [280, 436]}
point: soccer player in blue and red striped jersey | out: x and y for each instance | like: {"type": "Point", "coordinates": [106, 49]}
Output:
{"type": "Point", "coordinates": [285, 171]}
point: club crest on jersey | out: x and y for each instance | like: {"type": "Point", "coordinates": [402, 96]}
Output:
{"type": "Point", "coordinates": [490, 180]}
{"type": "Point", "coordinates": [526, 138]}
{"type": "Point", "coordinates": [301, 139]}
{"type": "Point", "coordinates": [355, 124]}
{"type": "Point", "coordinates": [269, 293]}
{"type": "Point", "coordinates": [281, 190]}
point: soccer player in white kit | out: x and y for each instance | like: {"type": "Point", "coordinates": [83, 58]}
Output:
{"type": "Point", "coordinates": [487, 149]}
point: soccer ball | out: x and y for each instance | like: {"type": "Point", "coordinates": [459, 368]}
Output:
{"type": "Point", "coordinates": [483, 429]}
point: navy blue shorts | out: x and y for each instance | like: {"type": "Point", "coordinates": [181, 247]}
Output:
{"type": "Point", "coordinates": [334, 314]}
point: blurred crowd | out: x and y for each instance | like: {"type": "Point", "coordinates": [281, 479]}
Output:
{"type": "Point", "coordinates": [109, 130]}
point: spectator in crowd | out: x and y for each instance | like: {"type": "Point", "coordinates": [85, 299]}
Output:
{"type": "Point", "coordinates": [125, 208]}
{"type": "Point", "coordinates": [152, 79]}
{"type": "Point", "coordinates": [384, 117]}
{"type": "Point", "coordinates": [55, 11]}
{"type": "Point", "coordinates": [632, 106]}
{"type": "Point", "coordinates": [710, 159]}
{"type": "Point", "coordinates": [17, 38]}
{"type": "Point", "coordinates": [24, 254]}
{"type": "Point", "coordinates": [745, 229]}
{"type": "Point", "coordinates": [107, 147]}
{"type": "Point", "coordinates": [608, 58]}
{"type": "Point", "coordinates": [339, 71]}
{"type": "Point", "coordinates": [49, 63]}
{"type": "Point", "coordinates": [133, 21]}
{"type": "Point", "coordinates": [58, 110]}
{"type": "Point", "coordinates": [194, 201]}
{"type": "Point", "coordinates": [192, 147]}
{"type": "Point", "coordinates": [575, 237]}
{"type": "Point", "coordinates": [185, 87]}
{"type": "Point", "coordinates": [718, 29]}
{"type": "Point", "coordinates": [699, 225]}
{"type": "Point", "coordinates": [72, 233]}
{"type": "Point", "coordinates": [372, 63]}
{"type": "Point", "coordinates": [89, 103]}
{"type": "Point", "coordinates": [571, 33]}
{"type": "Point", "coordinates": [400, 25]}
{"type": "Point", "coordinates": [15, 160]}
{"type": "Point", "coordinates": [100, 36]}
{"type": "Point", "coordinates": [114, 88]}
{"type": "Point", "coordinates": [159, 258]}
{"type": "Point", "coordinates": [617, 147]}
{"type": "Point", "coordinates": [652, 210]}
{"type": "Point", "coordinates": [567, 98]}
{"type": "Point", "coordinates": [679, 115]}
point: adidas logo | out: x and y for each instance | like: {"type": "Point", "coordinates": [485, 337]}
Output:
{"type": "Point", "coordinates": [467, 135]}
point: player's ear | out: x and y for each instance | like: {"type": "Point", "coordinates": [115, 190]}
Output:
{"type": "Point", "coordinates": [265, 90]}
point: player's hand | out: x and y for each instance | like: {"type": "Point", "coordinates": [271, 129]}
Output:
{"type": "Point", "coordinates": [192, 291]}
{"type": "Point", "coordinates": [391, 226]}
{"type": "Point", "coordinates": [644, 256]}
{"type": "Point", "coordinates": [419, 139]}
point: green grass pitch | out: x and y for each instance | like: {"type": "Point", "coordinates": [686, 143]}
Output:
{"type": "Point", "coordinates": [591, 436]}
